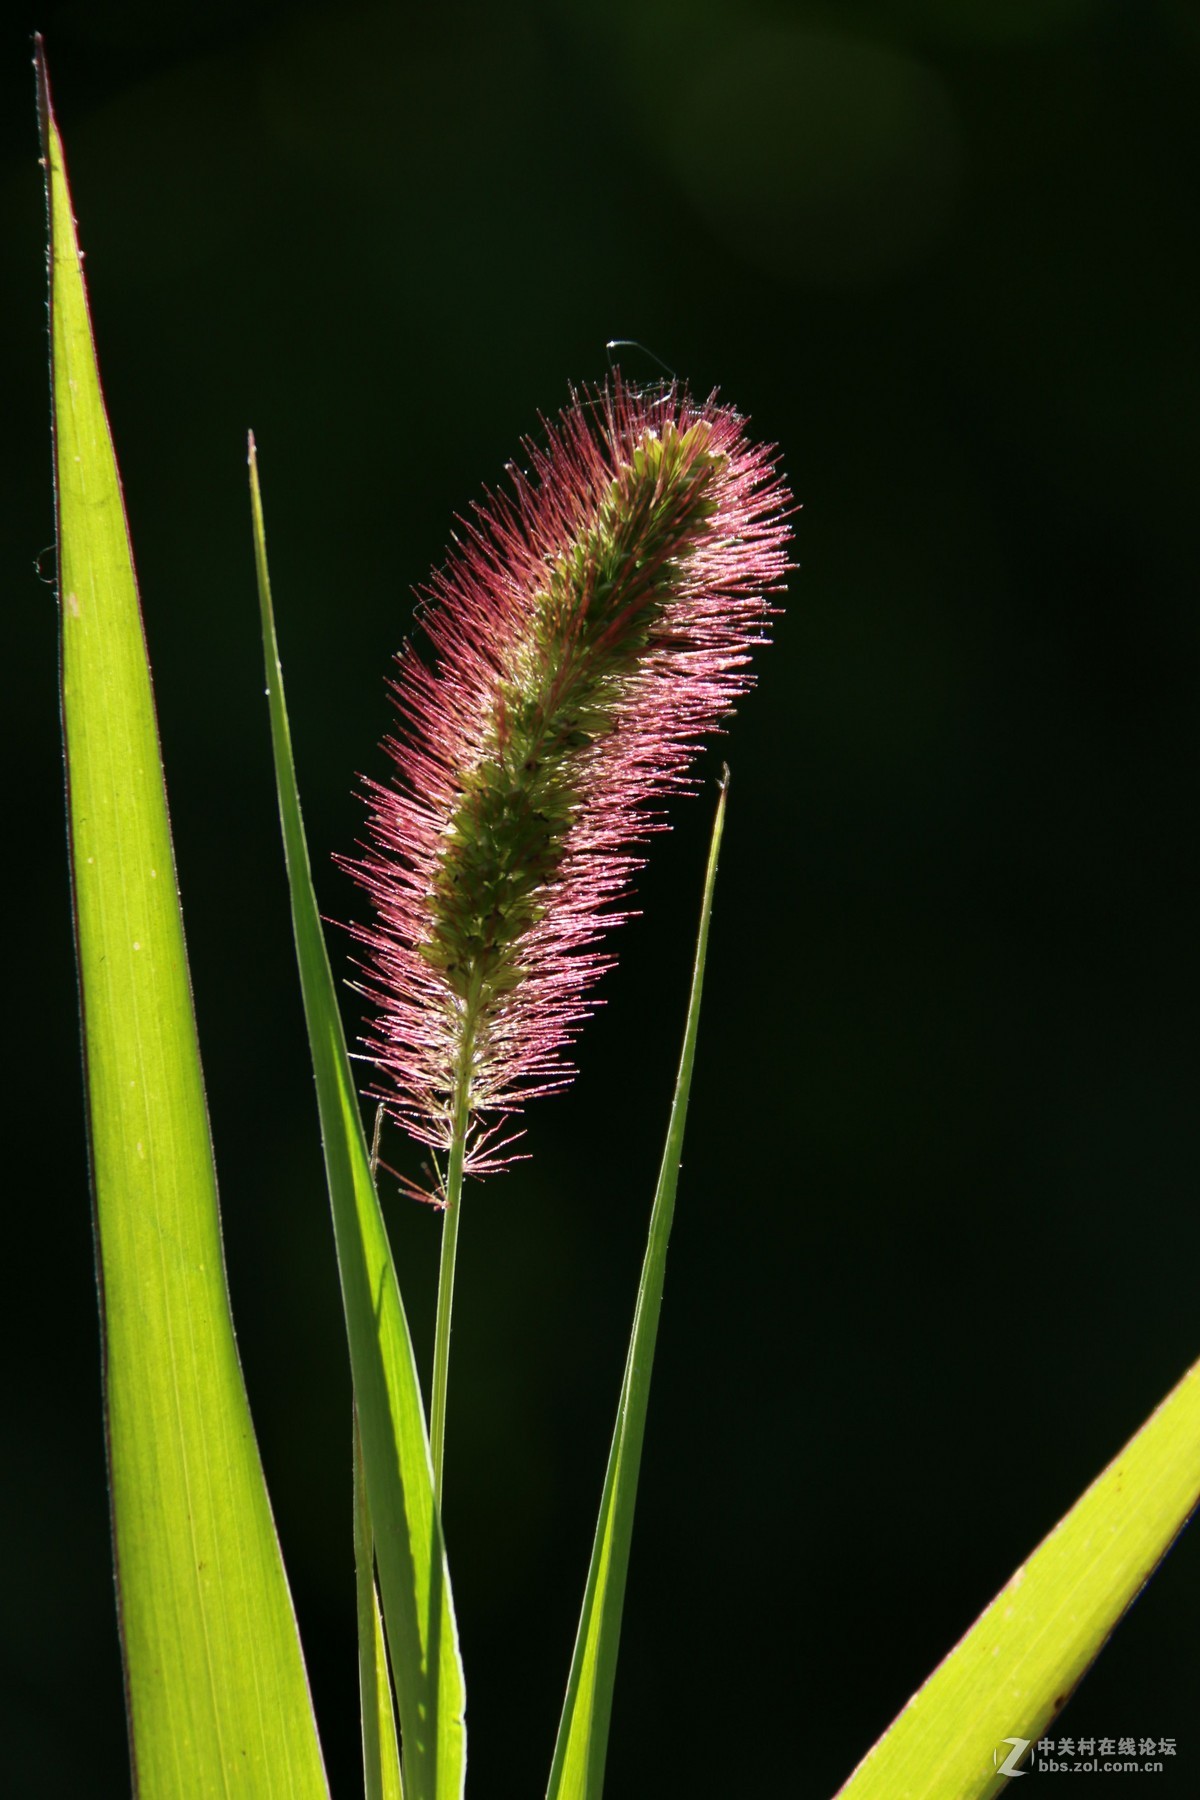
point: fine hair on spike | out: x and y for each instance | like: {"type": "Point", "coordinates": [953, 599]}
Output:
{"type": "Point", "coordinates": [592, 626]}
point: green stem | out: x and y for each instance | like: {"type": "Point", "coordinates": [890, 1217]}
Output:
{"type": "Point", "coordinates": [445, 1301]}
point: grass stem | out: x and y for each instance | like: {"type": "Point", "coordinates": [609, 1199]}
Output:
{"type": "Point", "coordinates": [445, 1300]}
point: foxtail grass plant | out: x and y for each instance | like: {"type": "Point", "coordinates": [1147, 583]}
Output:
{"type": "Point", "coordinates": [592, 628]}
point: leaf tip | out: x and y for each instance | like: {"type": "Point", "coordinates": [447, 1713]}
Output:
{"type": "Point", "coordinates": [44, 105]}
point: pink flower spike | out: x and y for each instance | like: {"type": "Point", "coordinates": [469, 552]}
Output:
{"type": "Point", "coordinates": [593, 626]}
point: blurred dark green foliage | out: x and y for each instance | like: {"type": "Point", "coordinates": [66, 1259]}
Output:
{"type": "Point", "coordinates": [947, 257]}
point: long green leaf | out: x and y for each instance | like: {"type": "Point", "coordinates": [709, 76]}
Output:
{"type": "Point", "coordinates": [381, 1747]}
{"type": "Point", "coordinates": [414, 1581]}
{"type": "Point", "coordinates": [577, 1772]}
{"type": "Point", "coordinates": [1013, 1672]}
{"type": "Point", "coordinates": [217, 1692]}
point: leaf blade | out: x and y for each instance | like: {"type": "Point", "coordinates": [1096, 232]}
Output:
{"type": "Point", "coordinates": [217, 1693]}
{"type": "Point", "coordinates": [381, 1747]}
{"type": "Point", "coordinates": [577, 1771]}
{"type": "Point", "coordinates": [414, 1580]}
{"type": "Point", "coordinates": [1014, 1670]}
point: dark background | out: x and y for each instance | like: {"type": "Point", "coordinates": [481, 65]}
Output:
{"type": "Point", "coordinates": [936, 1250]}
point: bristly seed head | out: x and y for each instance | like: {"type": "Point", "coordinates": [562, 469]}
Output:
{"type": "Point", "coordinates": [593, 628]}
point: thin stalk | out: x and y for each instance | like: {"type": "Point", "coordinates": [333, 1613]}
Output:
{"type": "Point", "coordinates": [445, 1300]}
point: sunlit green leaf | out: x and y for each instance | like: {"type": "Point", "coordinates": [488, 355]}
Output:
{"type": "Point", "coordinates": [1018, 1665]}
{"type": "Point", "coordinates": [381, 1747]}
{"type": "Point", "coordinates": [217, 1692]}
{"type": "Point", "coordinates": [414, 1582]}
{"type": "Point", "coordinates": [579, 1754]}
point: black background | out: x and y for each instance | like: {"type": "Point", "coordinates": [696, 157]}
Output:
{"type": "Point", "coordinates": [936, 1250]}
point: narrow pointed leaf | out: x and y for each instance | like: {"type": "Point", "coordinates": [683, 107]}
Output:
{"type": "Point", "coordinates": [577, 1772]}
{"type": "Point", "coordinates": [381, 1747]}
{"type": "Point", "coordinates": [414, 1582]}
{"type": "Point", "coordinates": [1017, 1666]}
{"type": "Point", "coordinates": [218, 1698]}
